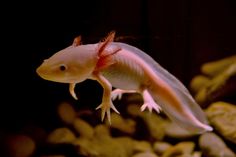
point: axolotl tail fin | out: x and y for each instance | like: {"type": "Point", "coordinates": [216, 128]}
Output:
{"type": "Point", "coordinates": [185, 112]}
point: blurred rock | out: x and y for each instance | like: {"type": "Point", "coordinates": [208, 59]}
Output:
{"type": "Point", "coordinates": [85, 147]}
{"type": "Point", "coordinates": [221, 82]}
{"type": "Point", "coordinates": [20, 146]}
{"type": "Point", "coordinates": [145, 154]}
{"type": "Point", "coordinates": [38, 134]}
{"type": "Point", "coordinates": [61, 135]}
{"type": "Point", "coordinates": [127, 142]}
{"type": "Point", "coordinates": [175, 131]}
{"type": "Point", "coordinates": [142, 146]}
{"type": "Point", "coordinates": [53, 156]}
{"type": "Point", "coordinates": [155, 124]}
{"type": "Point", "coordinates": [101, 147]}
{"type": "Point", "coordinates": [134, 110]}
{"type": "Point", "coordinates": [181, 149]}
{"type": "Point", "coordinates": [83, 128]}
{"type": "Point", "coordinates": [220, 86]}
{"type": "Point", "coordinates": [213, 146]}
{"type": "Point", "coordinates": [198, 82]}
{"type": "Point", "coordinates": [101, 131]}
{"type": "Point", "coordinates": [133, 98]}
{"type": "Point", "coordinates": [197, 154]}
{"type": "Point", "coordinates": [124, 125]}
{"type": "Point", "coordinates": [216, 67]}
{"type": "Point", "coordinates": [66, 112]}
{"type": "Point", "coordinates": [222, 117]}
{"type": "Point", "coordinates": [160, 147]}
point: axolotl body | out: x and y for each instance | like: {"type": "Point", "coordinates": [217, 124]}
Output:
{"type": "Point", "coordinates": [129, 70]}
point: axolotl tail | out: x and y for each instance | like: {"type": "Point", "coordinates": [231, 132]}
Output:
{"type": "Point", "coordinates": [181, 108]}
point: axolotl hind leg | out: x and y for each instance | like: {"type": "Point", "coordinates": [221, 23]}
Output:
{"type": "Point", "coordinates": [149, 102]}
{"type": "Point", "coordinates": [147, 98]}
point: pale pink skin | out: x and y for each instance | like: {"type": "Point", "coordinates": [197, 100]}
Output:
{"type": "Point", "coordinates": [129, 70]}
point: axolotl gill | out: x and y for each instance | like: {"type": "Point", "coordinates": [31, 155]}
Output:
{"type": "Point", "coordinates": [128, 70]}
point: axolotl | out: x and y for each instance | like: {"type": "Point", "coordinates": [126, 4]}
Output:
{"type": "Point", "coordinates": [128, 70]}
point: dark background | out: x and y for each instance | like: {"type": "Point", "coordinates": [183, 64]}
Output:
{"type": "Point", "coordinates": [180, 35]}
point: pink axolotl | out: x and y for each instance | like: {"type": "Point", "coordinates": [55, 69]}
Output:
{"type": "Point", "coordinates": [128, 69]}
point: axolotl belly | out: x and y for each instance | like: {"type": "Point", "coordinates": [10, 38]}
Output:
{"type": "Point", "coordinates": [124, 73]}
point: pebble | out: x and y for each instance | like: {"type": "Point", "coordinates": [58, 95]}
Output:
{"type": "Point", "coordinates": [124, 125]}
{"type": "Point", "coordinates": [145, 154]}
{"type": "Point", "coordinates": [20, 146]}
{"type": "Point", "coordinates": [156, 125]}
{"type": "Point", "coordinates": [102, 131]}
{"type": "Point", "coordinates": [215, 67]}
{"type": "Point", "coordinates": [61, 135]}
{"type": "Point", "coordinates": [142, 146]}
{"type": "Point", "coordinates": [83, 128]}
{"type": "Point", "coordinates": [222, 117]}
{"type": "Point", "coordinates": [101, 147]}
{"type": "Point", "coordinates": [181, 149]}
{"type": "Point", "coordinates": [160, 147]}
{"type": "Point", "coordinates": [198, 82]}
{"type": "Point", "coordinates": [213, 146]}
{"type": "Point", "coordinates": [66, 112]}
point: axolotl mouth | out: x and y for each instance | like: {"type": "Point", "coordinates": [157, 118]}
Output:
{"type": "Point", "coordinates": [43, 72]}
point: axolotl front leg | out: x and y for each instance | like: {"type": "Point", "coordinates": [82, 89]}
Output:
{"type": "Point", "coordinates": [106, 98]}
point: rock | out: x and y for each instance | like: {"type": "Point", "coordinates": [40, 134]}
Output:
{"type": "Point", "coordinates": [215, 67]}
{"type": "Point", "coordinates": [219, 87]}
{"type": "Point", "coordinates": [197, 154]}
{"type": "Point", "coordinates": [83, 128]}
{"type": "Point", "coordinates": [101, 131]}
{"type": "Point", "coordinates": [133, 98]}
{"type": "Point", "coordinates": [213, 146]}
{"type": "Point", "coordinates": [222, 116]}
{"type": "Point", "coordinates": [198, 82]}
{"type": "Point", "coordinates": [20, 146]}
{"type": "Point", "coordinates": [142, 146]}
{"type": "Point", "coordinates": [145, 154]}
{"type": "Point", "coordinates": [201, 97]}
{"type": "Point", "coordinates": [101, 147]}
{"type": "Point", "coordinates": [134, 110]}
{"type": "Point", "coordinates": [156, 125]}
{"type": "Point", "coordinates": [61, 135]}
{"type": "Point", "coordinates": [53, 156]}
{"type": "Point", "coordinates": [181, 149]}
{"type": "Point", "coordinates": [175, 131]}
{"type": "Point", "coordinates": [38, 134]}
{"type": "Point", "coordinates": [85, 147]}
{"type": "Point", "coordinates": [127, 142]}
{"type": "Point", "coordinates": [123, 125]}
{"type": "Point", "coordinates": [66, 112]}
{"type": "Point", "coordinates": [160, 147]}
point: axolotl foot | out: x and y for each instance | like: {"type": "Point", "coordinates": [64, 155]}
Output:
{"type": "Point", "coordinates": [105, 107]}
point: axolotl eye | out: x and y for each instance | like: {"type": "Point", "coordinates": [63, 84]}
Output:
{"type": "Point", "coordinates": [62, 67]}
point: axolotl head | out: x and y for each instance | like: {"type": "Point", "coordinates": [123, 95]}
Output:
{"type": "Point", "coordinates": [71, 65]}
